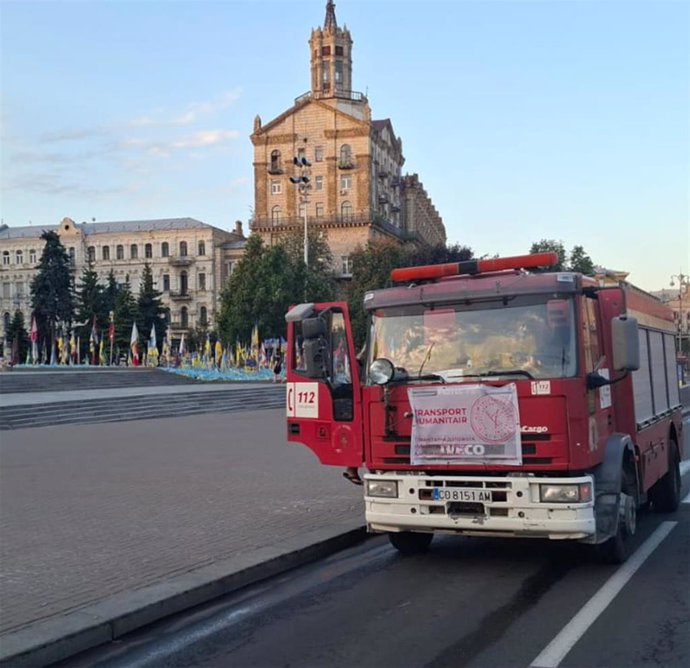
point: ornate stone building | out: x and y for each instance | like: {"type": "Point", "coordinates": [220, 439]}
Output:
{"type": "Point", "coordinates": [356, 190]}
{"type": "Point", "coordinates": [190, 262]}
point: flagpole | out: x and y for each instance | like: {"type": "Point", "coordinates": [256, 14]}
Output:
{"type": "Point", "coordinates": [111, 336]}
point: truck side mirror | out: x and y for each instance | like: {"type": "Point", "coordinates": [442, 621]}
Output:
{"type": "Point", "coordinates": [626, 344]}
{"type": "Point", "coordinates": [313, 328]}
{"type": "Point", "coordinates": [315, 357]}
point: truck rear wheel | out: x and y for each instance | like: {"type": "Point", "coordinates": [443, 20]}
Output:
{"type": "Point", "coordinates": [665, 494]}
{"type": "Point", "coordinates": [410, 542]}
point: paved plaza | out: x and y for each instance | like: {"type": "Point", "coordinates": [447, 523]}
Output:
{"type": "Point", "coordinates": [88, 511]}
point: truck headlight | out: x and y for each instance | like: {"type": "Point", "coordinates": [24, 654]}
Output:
{"type": "Point", "coordinates": [383, 488]}
{"type": "Point", "coordinates": [580, 493]}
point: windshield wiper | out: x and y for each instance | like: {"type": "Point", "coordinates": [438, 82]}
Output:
{"type": "Point", "coordinates": [499, 372]}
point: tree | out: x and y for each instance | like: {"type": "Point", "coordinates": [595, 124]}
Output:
{"type": "Point", "coordinates": [580, 261]}
{"type": "Point", "coordinates": [125, 315]}
{"type": "Point", "coordinates": [317, 282]}
{"type": "Point", "coordinates": [90, 305]}
{"type": "Point", "coordinates": [546, 245]}
{"type": "Point", "coordinates": [52, 289]}
{"type": "Point", "coordinates": [150, 310]}
{"type": "Point", "coordinates": [17, 332]}
{"type": "Point", "coordinates": [110, 293]}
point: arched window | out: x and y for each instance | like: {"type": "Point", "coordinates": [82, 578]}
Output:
{"type": "Point", "coordinates": [134, 251]}
{"type": "Point", "coordinates": [106, 252]}
{"type": "Point", "coordinates": [148, 251]}
{"type": "Point", "coordinates": [184, 317]}
{"type": "Point", "coordinates": [346, 156]}
{"type": "Point", "coordinates": [183, 249]}
{"type": "Point", "coordinates": [166, 282]}
{"type": "Point", "coordinates": [91, 254]}
{"type": "Point", "coordinates": [120, 252]}
{"type": "Point", "coordinates": [276, 215]}
{"type": "Point", "coordinates": [346, 210]}
{"type": "Point", "coordinates": [276, 167]}
{"type": "Point", "coordinates": [32, 256]}
{"type": "Point", "coordinates": [202, 248]}
{"type": "Point", "coordinates": [203, 315]}
{"type": "Point", "coordinates": [165, 249]}
{"type": "Point", "coordinates": [5, 257]}
{"type": "Point", "coordinates": [18, 257]}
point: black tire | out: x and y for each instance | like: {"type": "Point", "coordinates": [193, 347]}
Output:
{"type": "Point", "coordinates": [665, 494]}
{"type": "Point", "coordinates": [410, 542]}
{"type": "Point", "coordinates": [616, 549]}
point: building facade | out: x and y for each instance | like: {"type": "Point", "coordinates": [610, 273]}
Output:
{"type": "Point", "coordinates": [190, 262]}
{"type": "Point", "coordinates": [356, 190]}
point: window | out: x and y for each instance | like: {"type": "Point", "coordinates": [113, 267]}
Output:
{"type": "Point", "coordinates": [276, 166]}
{"type": "Point", "coordinates": [6, 290]}
{"type": "Point", "coordinates": [133, 251]}
{"type": "Point", "coordinates": [5, 257]}
{"type": "Point", "coordinates": [302, 211]}
{"type": "Point", "coordinates": [301, 155]}
{"type": "Point", "coordinates": [318, 183]}
{"type": "Point", "coordinates": [106, 252]}
{"type": "Point", "coordinates": [345, 155]}
{"type": "Point", "coordinates": [148, 251]}
{"type": "Point", "coordinates": [166, 282]}
{"type": "Point", "coordinates": [91, 254]}
{"type": "Point", "coordinates": [275, 215]}
{"type": "Point", "coordinates": [339, 74]}
{"type": "Point", "coordinates": [19, 289]}
{"type": "Point", "coordinates": [203, 315]}
{"type": "Point", "coordinates": [165, 249]}
{"type": "Point", "coordinates": [18, 257]}
{"type": "Point", "coordinates": [319, 210]}
{"type": "Point", "coordinates": [6, 321]}
{"type": "Point", "coordinates": [120, 252]}
{"type": "Point", "coordinates": [184, 284]}
{"type": "Point", "coordinates": [32, 256]}
{"type": "Point", "coordinates": [346, 210]}
{"type": "Point", "coordinates": [202, 281]}
{"type": "Point", "coordinates": [202, 248]}
{"type": "Point", "coordinates": [229, 268]}
{"type": "Point", "coordinates": [183, 249]}
{"type": "Point", "coordinates": [345, 182]}
{"type": "Point", "coordinates": [276, 188]}
{"type": "Point", "coordinates": [325, 50]}
{"type": "Point", "coordinates": [346, 265]}
{"type": "Point", "coordinates": [72, 255]}
{"type": "Point", "coordinates": [318, 154]}
{"type": "Point", "coordinates": [184, 317]}
{"type": "Point", "coordinates": [338, 50]}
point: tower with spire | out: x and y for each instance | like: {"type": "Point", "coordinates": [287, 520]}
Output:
{"type": "Point", "coordinates": [331, 58]}
{"type": "Point", "coordinates": [356, 190]}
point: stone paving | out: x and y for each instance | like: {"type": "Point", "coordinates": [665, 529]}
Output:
{"type": "Point", "coordinates": [87, 511]}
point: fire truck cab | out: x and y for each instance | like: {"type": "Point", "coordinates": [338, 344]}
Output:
{"type": "Point", "coordinates": [489, 400]}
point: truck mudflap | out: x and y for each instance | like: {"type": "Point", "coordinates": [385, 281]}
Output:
{"type": "Point", "coordinates": [489, 506]}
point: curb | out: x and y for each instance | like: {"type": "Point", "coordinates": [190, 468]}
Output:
{"type": "Point", "coordinates": [64, 636]}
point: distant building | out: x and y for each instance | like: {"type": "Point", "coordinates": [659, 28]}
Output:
{"type": "Point", "coordinates": [190, 262]}
{"type": "Point", "coordinates": [356, 189]}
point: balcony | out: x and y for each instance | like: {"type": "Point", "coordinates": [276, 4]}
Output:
{"type": "Point", "coordinates": [347, 163]}
{"type": "Point", "coordinates": [180, 260]}
{"type": "Point", "coordinates": [180, 296]}
{"type": "Point", "coordinates": [275, 168]}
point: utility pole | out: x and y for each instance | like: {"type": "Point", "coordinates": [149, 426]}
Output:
{"type": "Point", "coordinates": [302, 180]}
{"type": "Point", "coordinates": [683, 283]}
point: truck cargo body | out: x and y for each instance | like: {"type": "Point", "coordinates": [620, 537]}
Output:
{"type": "Point", "coordinates": [506, 412]}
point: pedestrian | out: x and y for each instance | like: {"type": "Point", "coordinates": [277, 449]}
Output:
{"type": "Point", "coordinates": [277, 366]}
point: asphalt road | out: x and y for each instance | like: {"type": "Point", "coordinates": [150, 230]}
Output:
{"type": "Point", "coordinates": [468, 602]}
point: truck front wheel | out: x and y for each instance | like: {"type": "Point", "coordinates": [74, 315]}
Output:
{"type": "Point", "coordinates": [410, 542]}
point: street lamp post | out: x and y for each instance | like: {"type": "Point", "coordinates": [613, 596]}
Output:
{"type": "Point", "coordinates": [683, 283]}
{"type": "Point", "coordinates": [302, 180]}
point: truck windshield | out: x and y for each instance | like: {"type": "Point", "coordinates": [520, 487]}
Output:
{"type": "Point", "coordinates": [531, 336]}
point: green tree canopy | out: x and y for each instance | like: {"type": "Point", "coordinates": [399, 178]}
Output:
{"type": "Point", "coordinates": [150, 310]}
{"type": "Point", "coordinates": [52, 288]}
{"type": "Point", "coordinates": [17, 333]}
{"type": "Point", "coordinates": [546, 245]}
{"type": "Point", "coordinates": [125, 315]}
{"type": "Point", "coordinates": [580, 261]}
{"type": "Point", "coordinates": [90, 302]}
{"type": "Point", "coordinates": [576, 260]}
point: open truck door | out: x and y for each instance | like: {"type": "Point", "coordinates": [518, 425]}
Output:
{"type": "Point", "coordinates": [323, 402]}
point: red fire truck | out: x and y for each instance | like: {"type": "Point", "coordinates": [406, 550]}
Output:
{"type": "Point", "coordinates": [494, 398]}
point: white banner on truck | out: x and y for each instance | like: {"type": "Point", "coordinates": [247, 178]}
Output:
{"type": "Point", "coordinates": [468, 424]}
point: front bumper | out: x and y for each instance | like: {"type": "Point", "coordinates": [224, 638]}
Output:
{"type": "Point", "coordinates": [515, 510]}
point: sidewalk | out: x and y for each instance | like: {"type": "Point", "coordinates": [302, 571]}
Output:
{"type": "Point", "coordinates": [107, 527]}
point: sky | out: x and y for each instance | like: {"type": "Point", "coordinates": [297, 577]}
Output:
{"type": "Point", "coordinates": [525, 120]}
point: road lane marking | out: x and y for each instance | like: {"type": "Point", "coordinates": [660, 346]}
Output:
{"type": "Point", "coordinates": [559, 647]}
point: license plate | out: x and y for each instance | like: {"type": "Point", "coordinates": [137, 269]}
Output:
{"type": "Point", "coordinates": [459, 494]}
